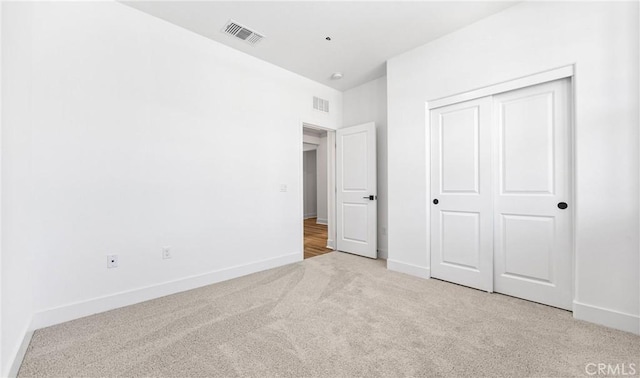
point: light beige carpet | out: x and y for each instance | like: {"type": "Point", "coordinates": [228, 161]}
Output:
{"type": "Point", "coordinates": [335, 315]}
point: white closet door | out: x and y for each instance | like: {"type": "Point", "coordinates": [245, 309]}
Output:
{"type": "Point", "coordinates": [531, 133]}
{"type": "Point", "coordinates": [461, 212]}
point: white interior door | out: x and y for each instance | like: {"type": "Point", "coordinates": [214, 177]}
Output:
{"type": "Point", "coordinates": [533, 249]}
{"type": "Point", "coordinates": [461, 211]}
{"type": "Point", "coordinates": [356, 190]}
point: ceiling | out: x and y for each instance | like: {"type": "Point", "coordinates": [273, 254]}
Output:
{"type": "Point", "coordinates": [364, 34]}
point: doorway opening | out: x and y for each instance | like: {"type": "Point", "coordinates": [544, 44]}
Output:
{"type": "Point", "coordinates": [318, 156]}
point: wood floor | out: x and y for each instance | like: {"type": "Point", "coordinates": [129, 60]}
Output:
{"type": "Point", "coordinates": [315, 238]}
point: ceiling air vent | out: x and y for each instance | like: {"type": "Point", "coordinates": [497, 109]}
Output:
{"type": "Point", "coordinates": [321, 104]}
{"type": "Point", "coordinates": [235, 29]}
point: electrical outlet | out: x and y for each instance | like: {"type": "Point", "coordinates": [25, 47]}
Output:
{"type": "Point", "coordinates": [112, 261]}
{"type": "Point", "coordinates": [166, 252]}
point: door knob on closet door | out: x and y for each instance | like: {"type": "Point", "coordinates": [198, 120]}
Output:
{"type": "Point", "coordinates": [435, 201]}
{"type": "Point", "coordinates": [562, 205]}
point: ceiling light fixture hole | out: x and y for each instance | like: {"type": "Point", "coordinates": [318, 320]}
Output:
{"type": "Point", "coordinates": [328, 38]}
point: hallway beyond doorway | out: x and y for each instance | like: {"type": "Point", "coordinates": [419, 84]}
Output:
{"type": "Point", "coordinates": [315, 238]}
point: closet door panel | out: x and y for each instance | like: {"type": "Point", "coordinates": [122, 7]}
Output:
{"type": "Point", "coordinates": [532, 151]}
{"type": "Point", "coordinates": [461, 217]}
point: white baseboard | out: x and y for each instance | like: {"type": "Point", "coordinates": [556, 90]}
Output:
{"type": "Point", "coordinates": [406, 268]}
{"type": "Point", "coordinates": [322, 221]}
{"type": "Point", "coordinates": [81, 309]}
{"type": "Point", "coordinates": [383, 254]}
{"type": "Point", "coordinates": [22, 351]}
{"type": "Point", "coordinates": [607, 317]}
{"type": "Point", "coordinates": [312, 215]}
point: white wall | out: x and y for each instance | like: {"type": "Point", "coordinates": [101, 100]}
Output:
{"type": "Point", "coordinates": [602, 40]}
{"type": "Point", "coordinates": [366, 103]}
{"type": "Point", "coordinates": [321, 169]}
{"type": "Point", "coordinates": [309, 184]}
{"type": "Point", "coordinates": [17, 268]}
{"type": "Point", "coordinates": [137, 140]}
{"type": "Point", "coordinates": [1, 350]}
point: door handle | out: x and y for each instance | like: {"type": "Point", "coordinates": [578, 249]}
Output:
{"type": "Point", "coordinates": [370, 198]}
{"type": "Point", "coordinates": [435, 201]}
{"type": "Point", "coordinates": [562, 205]}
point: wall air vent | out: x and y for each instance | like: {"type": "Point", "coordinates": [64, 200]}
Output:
{"type": "Point", "coordinates": [321, 104]}
{"type": "Point", "coordinates": [241, 32]}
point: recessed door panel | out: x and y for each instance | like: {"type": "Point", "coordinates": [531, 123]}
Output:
{"type": "Point", "coordinates": [355, 222]}
{"type": "Point", "coordinates": [526, 137]}
{"type": "Point", "coordinates": [461, 216]}
{"type": "Point", "coordinates": [354, 149]}
{"type": "Point", "coordinates": [527, 242]}
{"type": "Point", "coordinates": [461, 239]}
{"type": "Point", "coordinates": [459, 150]}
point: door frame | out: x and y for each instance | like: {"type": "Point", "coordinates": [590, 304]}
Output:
{"type": "Point", "coordinates": [564, 72]}
{"type": "Point", "coordinates": [331, 182]}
